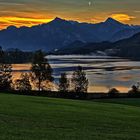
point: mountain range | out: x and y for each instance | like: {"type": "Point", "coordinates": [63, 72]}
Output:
{"type": "Point", "coordinates": [60, 33]}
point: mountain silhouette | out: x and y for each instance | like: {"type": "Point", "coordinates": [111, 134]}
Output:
{"type": "Point", "coordinates": [60, 32]}
{"type": "Point", "coordinates": [113, 21]}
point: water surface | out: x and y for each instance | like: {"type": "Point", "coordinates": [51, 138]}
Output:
{"type": "Point", "coordinates": [103, 72]}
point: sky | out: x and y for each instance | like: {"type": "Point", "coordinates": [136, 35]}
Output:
{"type": "Point", "coordinates": [33, 12]}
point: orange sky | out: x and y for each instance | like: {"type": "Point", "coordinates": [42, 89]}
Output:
{"type": "Point", "coordinates": [33, 12]}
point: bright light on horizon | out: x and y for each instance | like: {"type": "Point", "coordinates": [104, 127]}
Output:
{"type": "Point", "coordinates": [22, 21]}
{"type": "Point", "coordinates": [29, 22]}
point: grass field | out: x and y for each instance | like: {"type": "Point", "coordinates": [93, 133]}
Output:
{"type": "Point", "coordinates": [41, 118]}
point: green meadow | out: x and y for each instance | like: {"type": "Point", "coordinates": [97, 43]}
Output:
{"type": "Point", "coordinates": [42, 118]}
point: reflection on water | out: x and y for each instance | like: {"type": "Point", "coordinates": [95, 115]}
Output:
{"type": "Point", "coordinates": [103, 72]}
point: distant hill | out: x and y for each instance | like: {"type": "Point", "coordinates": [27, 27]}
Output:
{"type": "Point", "coordinates": [84, 48]}
{"type": "Point", "coordinates": [128, 47]}
{"type": "Point", "coordinates": [60, 33]}
{"type": "Point", "coordinates": [125, 48]}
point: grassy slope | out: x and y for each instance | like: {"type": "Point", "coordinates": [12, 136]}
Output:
{"type": "Point", "coordinates": [41, 118]}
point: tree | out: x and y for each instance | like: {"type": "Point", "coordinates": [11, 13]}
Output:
{"type": "Point", "coordinates": [113, 92]}
{"type": "Point", "coordinates": [41, 70]}
{"type": "Point", "coordinates": [79, 80]}
{"type": "Point", "coordinates": [5, 76]}
{"type": "Point", "coordinates": [23, 84]}
{"type": "Point", "coordinates": [63, 83]}
{"type": "Point", "coordinates": [135, 89]}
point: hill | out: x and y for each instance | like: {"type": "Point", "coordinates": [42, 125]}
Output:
{"type": "Point", "coordinates": [124, 48]}
{"type": "Point", "coordinates": [34, 118]}
{"type": "Point", "coordinates": [59, 33]}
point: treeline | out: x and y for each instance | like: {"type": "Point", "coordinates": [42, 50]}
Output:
{"type": "Point", "coordinates": [40, 77]}
{"type": "Point", "coordinates": [16, 56]}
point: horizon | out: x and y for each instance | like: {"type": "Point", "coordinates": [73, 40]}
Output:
{"type": "Point", "coordinates": [68, 21]}
{"type": "Point", "coordinates": [30, 13]}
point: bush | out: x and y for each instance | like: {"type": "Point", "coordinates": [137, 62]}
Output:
{"type": "Point", "coordinates": [113, 92]}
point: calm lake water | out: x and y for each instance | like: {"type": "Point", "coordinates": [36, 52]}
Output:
{"type": "Point", "coordinates": [103, 72]}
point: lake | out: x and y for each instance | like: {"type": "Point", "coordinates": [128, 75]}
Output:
{"type": "Point", "coordinates": [103, 72]}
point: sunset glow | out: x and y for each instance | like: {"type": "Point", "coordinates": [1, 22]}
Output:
{"type": "Point", "coordinates": [21, 21]}
{"type": "Point", "coordinates": [122, 17]}
{"type": "Point", "coordinates": [33, 12]}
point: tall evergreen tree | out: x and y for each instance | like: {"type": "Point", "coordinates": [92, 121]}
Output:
{"type": "Point", "coordinates": [79, 81]}
{"type": "Point", "coordinates": [41, 69]}
{"type": "Point", "coordinates": [63, 83]}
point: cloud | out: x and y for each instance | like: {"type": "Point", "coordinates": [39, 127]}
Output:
{"type": "Point", "coordinates": [137, 11]}
{"type": "Point", "coordinates": [12, 3]}
{"type": "Point", "coordinates": [20, 21]}
{"type": "Point", "coordinates": [122, 17]}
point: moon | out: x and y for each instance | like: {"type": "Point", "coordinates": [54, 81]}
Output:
{"type": "Point", "coordinates": [89, 3]}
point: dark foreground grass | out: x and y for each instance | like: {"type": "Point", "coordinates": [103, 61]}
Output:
{"type": "Point", "coordinates": [41, 118]}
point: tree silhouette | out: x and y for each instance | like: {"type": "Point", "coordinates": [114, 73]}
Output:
{"type": "Point", "coordinates": [113, 92]}
{"type": "Point", "coordinates": [135, 89]}
{"type": "Point", "coordinates": [23, 84]}
{"type": "Point", "coordinates": [63, 83]}
{"type": "Point", "coordinates": [41, 69]}
{"type": "Point", "coordinates": [5, 76]}
{"type": "Point", "coordinates": [79, 81]}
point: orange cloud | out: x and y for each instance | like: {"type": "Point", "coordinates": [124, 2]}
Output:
{"type": "Point", "coordinates": [125, 18]}
{"type": "Point", "coordinates": [122, 17]}
{"type": "Point", "coordinates": [22, 21]}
